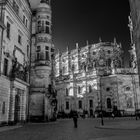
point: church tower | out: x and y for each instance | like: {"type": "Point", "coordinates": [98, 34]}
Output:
{"type": "Point", "coordinates": [42, 52]}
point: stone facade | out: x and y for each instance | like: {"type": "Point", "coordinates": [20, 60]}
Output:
{"type": "Point", "coordinates": [42, 54]}
{"type": "Point", "coordinates": [122, 92]}
{"type": "Point", "coordinates": [135, 28]}
{"type": "Point", "coordinates": [84, 75]}
{"type": "Point", "coordinates": [15, 58]}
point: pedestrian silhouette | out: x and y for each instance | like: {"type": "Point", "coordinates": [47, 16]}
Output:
{"type": "Point", "coordinates": [75, 118]}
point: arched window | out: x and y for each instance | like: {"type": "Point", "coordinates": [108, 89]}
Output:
{"type": "Point", "coordinates": [90, 88]}
{"type": "Point", "coordinates": [67, 92]}
{"type": "Point", "coordinates": [109, 103]}
{"type": "Point", "coordinates": [79, 90]}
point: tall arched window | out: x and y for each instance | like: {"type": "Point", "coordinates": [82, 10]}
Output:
{"type": "Point", "coordinates": [79, 90]}
{"type": "Point", "coordinates": [90, 88]}
{"type": "Point", "coordinates": [67, 92]}
{"type": "Point", "coordinates": [109, 103]}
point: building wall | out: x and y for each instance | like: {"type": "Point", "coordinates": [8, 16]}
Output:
{"type": "Point", "coordinates": [135, 8]}
{"type": "Point", "coordinates": [4, 99]}
{"type": "Point", "coordinates": [41, 62]}
{"type": "Point", "coordinates": [15, 74]}
{"type": "Point", "coordinates": [123, 90]}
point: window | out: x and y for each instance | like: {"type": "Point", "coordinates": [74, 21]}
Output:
{"type": "Point", "coordinates": [23, 19]}
{"type": "Point", "coordinates": [108, 62]}
{"type": "Point", "coordinates": [39, 26]}
{"type": "Point", "coordinates": [67, 92]}
{"type": "Point", "coordinates": [109, 51]}
{"type": "Point", "coordinates": [108, 89]}
{"type": "Point", "coordinates": [90, 103]}
{"type": "Point", "coordinates": [47, 29]}
{"type": "Point", "coordinates": [38, 52]}
{"type": "Point", "coordinates": [47, 48]}
{"type": "Point", "coordinates": [90, 88]}
{"type": "Point", "coordinates": [79, 90]}
{"type": "Point", "coordinates": [8, 30]}
{"type": "Point", "coordinates": [26, 23]}
{"type": "Point", "coordinates": [19, 39]}
{"type": "Point", "coordinates": [47, 56]}
{"type": "Point", "coordinates": [73, 68]}
{"type": "Point", "coordinates": [109, 103]}
{"type": "Point", "coordinates": [5, 67]}
{"type": "Point", "coordinates": [52, 50]}
{"type": "Point", "coordinates": [80, 104]}
{"type": "Point", "coordinates": [94, 53]}
{"type": "Point", "coordinates": [28, 51]}
{"type": "Point", "coordinates": [67, 105]}
{"type": "Point", "coordinates": [64, 70]}
{"type": "Point", "coordinates": [3, 108]}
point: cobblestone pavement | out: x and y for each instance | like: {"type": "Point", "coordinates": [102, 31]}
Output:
{"type": "Point", "coordinates": [64, 130]}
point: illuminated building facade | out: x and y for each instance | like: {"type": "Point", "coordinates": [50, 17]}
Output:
{"type": "Point", "coordinates": [91, 74]}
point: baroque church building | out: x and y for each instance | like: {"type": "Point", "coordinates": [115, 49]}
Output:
{"type": "Point", "coordinates": [93, 77]}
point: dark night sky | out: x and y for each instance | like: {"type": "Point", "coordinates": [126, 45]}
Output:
{"type": "Point", "coordinates": [75, 21]}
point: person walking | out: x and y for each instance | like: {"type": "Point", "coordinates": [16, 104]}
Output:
{"type": "Point", "coordinates": [75, 118]}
